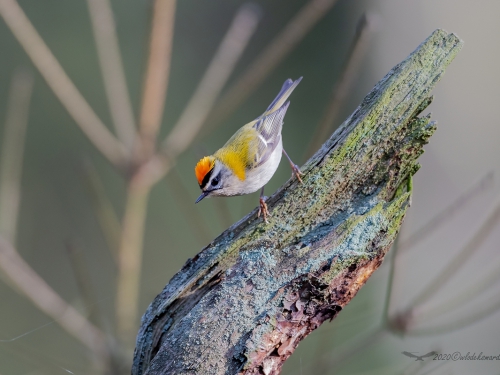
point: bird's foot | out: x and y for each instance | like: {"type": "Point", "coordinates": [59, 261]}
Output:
{"type": "Point", "coordinates": [296, 172]}
{"type": "Point", "coordinates": [263, 209]}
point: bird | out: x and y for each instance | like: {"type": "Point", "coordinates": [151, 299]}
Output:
{"type": "Point", "coordinates": [250, 157]}
{"type": "Point", "coordinates": [418, 357]}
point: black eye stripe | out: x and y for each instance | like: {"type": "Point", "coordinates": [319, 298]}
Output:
{"type": "Point", "coordinates": [206, 178]}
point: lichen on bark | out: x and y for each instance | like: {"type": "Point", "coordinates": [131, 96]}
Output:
{"type": "Point", "coordinates": [242, 305]}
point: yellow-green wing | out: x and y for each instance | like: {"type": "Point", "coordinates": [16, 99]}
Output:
{"type": "Point", "coordinates": [269, 133]}
{"type": "Point", "coordinates": [269, 125]}
{"type": "Point", "coordinates": [254, 143]}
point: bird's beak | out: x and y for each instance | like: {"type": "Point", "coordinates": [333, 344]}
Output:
{"type": "Point", "coordinates": [203, 195]}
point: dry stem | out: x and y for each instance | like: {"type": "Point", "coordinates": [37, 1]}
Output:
{"type": "Point", "coordinates": [157, 73]}
{"type": "Point", "coordinates": [115, 84]}
{"type": "Point", "coordinates": [130, 258]}
{"type": "Point", "coordinates": [12, 152]}
{"type": "Point", "coordinates": [60, 83]}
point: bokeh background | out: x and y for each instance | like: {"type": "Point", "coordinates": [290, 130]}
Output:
{"type": "Point", "coordinates": [72, 200]}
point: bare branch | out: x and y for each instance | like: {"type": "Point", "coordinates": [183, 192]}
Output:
{"type": "Point", "coordinates": [60, 83]}
{"type": "Point", "coordinates": [157, 72]}
{"type": "Point", "coordinates": [222, 65]}
{"type": "Point", "coordinates": [269, 58]}
{"type": "Point", "coordinates": [11, 166]}
{"type": "Point", "coordinates": [130, 258]}
{"type": "Point", "coordinates": [115, 83]}
{"type": "Point", "coordinates": [153, 102]}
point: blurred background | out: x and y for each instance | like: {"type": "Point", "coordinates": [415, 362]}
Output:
{"type": "Point", "coordinates": [93, 223]}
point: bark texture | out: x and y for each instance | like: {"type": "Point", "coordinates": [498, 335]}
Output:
{"type": "Point", "coordinates": [243, 304]}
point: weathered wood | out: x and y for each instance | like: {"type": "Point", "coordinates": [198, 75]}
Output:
{"type": "Point", "coordinates": [242, 305]}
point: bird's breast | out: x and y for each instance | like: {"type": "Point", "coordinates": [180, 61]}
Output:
{"type": "Point", "coordinates": [260, 175]}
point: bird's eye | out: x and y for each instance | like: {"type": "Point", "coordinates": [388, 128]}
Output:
{"type": "Point", "coordinates": [215, 181]}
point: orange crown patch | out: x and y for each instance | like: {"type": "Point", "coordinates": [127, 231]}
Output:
{"type": "Point", "coordinates": [204, 166]}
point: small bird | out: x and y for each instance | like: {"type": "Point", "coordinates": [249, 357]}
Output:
{"type": "Point", "coordinates": [250, 157]}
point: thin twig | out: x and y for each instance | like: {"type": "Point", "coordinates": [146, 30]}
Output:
{"type": "Point", "coordinates": [269, 58]}
{"type": "Point", "coordinates": [343, 86]}
{"type": "Point", "coordinates": [47, 300]}
{"type": "Point", "coordinates": [432, 225]}
{"type": "Point", "coordinates": [130, 258]}
{"type": "Point", "coordinates": [115, 84]}
{"type": "Point", "coordinates": [11, 162]}
{"type": "Point", "coordinates": [157, 73]}
{"type": "Point", "coordinates": [103, 209]}
{"type": "Point", "coordinates": [222, 65]}
{"type": "Point", "coordinates": [60, 83]}
{"type": "Point", "coordinates": [459, 260]}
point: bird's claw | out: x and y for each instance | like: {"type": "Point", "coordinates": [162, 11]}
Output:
{"type": "Point", "coordinates": [296, 172]}
{"type": "Point", "coordinates": [263, 209]}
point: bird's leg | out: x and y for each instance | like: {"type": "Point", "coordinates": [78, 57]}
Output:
{"type": "Point", "coordinates": [295, 168]}
{"type": "Point", "coordinates": [263, 206]}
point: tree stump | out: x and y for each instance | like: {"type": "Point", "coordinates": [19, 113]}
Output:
{"type": "Point", "coordinates": [243, 304]}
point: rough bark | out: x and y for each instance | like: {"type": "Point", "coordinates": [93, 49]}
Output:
{"type": "Point", "coordinates": [242, 305]}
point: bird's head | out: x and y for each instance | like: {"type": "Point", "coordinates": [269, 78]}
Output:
{"type": "Point", "coordinates": [212, 175]}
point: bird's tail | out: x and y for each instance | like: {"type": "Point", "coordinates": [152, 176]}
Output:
{"type": "Point", "coordinates": [283, 95]}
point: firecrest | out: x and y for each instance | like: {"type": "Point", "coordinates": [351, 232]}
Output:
{"type": "Point", "coordinates": [250, 157]}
